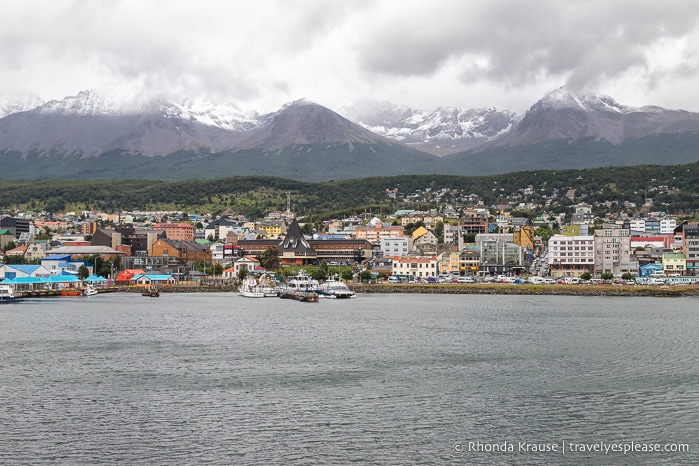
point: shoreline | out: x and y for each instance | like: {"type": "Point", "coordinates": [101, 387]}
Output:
{"type": "Point", "coordinates": [470, 288]}
{"type": "Point", "coordinates": [528, 289]}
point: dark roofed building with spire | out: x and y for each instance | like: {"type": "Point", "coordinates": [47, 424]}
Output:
{"type": "Point", "coordinates": [294, 248]}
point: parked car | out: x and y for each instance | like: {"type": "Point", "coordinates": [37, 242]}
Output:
{"type": "Point", "coordinates": [465, 280]}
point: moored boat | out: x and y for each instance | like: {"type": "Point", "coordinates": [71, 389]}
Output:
{"type": "Point", "coordinates": [250, 288]}
{"type": "Point", "coordinates": [335, 289]}
{"type": "Point", "coordinates": [151, 292]}
{"type": "Point", "coordinates": [301, 287]}
{"type": "Point", "coordinates": [303, 296]}
{"type": "Point", "coordinates": [7, 295]}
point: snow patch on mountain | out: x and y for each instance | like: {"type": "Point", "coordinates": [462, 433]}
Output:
{"type": "Point", "coordinates": [442, 131]}
{"type": "Point", "coordinates": [18, 102]}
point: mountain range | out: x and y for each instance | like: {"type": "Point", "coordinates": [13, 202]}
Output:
{"type": "Point", "coordinates": [92, 135]}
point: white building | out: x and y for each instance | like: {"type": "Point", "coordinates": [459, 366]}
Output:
{"type": "Point", "coordinates": [667, 225]}
{"type": "Point", "coordinates": [453, 236]}
{"type": "Point", "coordinates": [248, 263]}
{"type": "Point", "coordinates": [637, 224]}
{"type": "Point", "coordinates": [394, 246]}
{"type": "Point", "coordinates": [571, 255]}
{"type": "Point", "coordinates": [419, 267]}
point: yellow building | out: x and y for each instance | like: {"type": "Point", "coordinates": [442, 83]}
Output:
{"type": "Point", "coordinates": [524, 237]}
{"type": "Point", "coordinates": [272, 229]}
{"type": "Point", "coordinates": [449, 262]}
{"type": "Point", "coordinates": [674, 264]}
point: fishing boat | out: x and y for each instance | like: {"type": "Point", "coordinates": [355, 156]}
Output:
{"type": "Point", "coordinates": [89, 291]}
{"type": "Point", "coordinates": [151, 292]}
{"type": "Point", "coordinates": [71, 292]}
{"type": "Point", "coordinates": [250, 288]}
{"type": "Point", "coordinates": [7, 295]}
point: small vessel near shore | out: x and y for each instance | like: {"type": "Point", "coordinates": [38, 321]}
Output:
{"type": "Point", "coordinates": [151, 292]}
{"type": "Point", "coordinates": [7, 295]}
{"type": "Point", "coordinates": [301, 287]}
{"type": "Point", "coordinates": [303, 296]}
{"type": "Point", "coordinates": [249, 288]}
{"type": "Point", "coordinates": [265, 287]}
{"type": "Point", "coordinates": [336, 290]}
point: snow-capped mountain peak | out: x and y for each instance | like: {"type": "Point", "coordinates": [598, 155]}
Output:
{"type": "Point", "coordinates": [562, 99]}
{"type": "Point", "coordinates": [442, 131]}
{"type": "Point", "coordinates": [18, 102]}
{"type": "Point", "coordinates": [91, 102]}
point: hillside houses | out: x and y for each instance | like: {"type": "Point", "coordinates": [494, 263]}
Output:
{"type": "Point", "coordinates": [531, 229]}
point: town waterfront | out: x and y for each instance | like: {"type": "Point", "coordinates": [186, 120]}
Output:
{"type": "Point", "coordinates": [382, 379]}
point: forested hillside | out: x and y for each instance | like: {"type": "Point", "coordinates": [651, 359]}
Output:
{"type": "Point", "coordinates": [674, 189]}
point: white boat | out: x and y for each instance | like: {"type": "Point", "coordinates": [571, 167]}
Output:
{"type": "Point", "coordinates": [301, 287]}
{"type": "Point", "coordinates": [335, 289]}
{"type": "Point", "coordinates": [89, 291]}
{"type": "Point", "coordinates": [7, 295]}
{"type": "Point", "coordinates": [250, 288]}
{"type": "Point", "coordinates": [302, 282]}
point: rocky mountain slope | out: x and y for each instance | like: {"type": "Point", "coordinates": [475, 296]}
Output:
{"type": "Point", "coordinates": [92, 135]}
{"type": "Point", "coordinates": [446, 130]}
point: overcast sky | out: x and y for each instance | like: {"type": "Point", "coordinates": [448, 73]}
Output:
{"type": "Point", "coordinates": [261, 54]}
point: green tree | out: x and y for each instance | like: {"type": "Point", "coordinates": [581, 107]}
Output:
{"type": "Point", "coordinates": [8, 246]}
{"type": "Point", "coordinates": [319, 274]}
{"type": "Point", "coordinates": [15, 259]}
{"type": "Point", "coordinates": [607, 276]}
{"type": "Point", "coordinates": [218, 269]}
{"type": "Point", "coordinates": [586, 275]}
{"type": "Point", "coordinates": [627, 276]}
{"type": "Point", "coordinates": [242, 273]}
{"type": "Point", "coordinates": [544, 231]}
{"type": "Point", "coordinates": [439, 229]}
{"type": "Point", "coordinates": [366, 276]}
{"type": "Point", "coordinates": [269, 259]}
{"type": "Point", "coordinates": [411, 227]}
{"type": "Point", "coordinates": [83, 272]}
{"type": "Point", "coordinates": [347, 275]}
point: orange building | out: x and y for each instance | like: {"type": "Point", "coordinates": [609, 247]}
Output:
{"type": "Point", "coordinates": [186, 251]}
{"type": "Point", "coordinates": [378, 231]}
{"type": "Point", "coordinates": [177, 231]}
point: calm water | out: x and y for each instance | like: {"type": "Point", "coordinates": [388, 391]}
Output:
{"type": "Point", "coordinates": [382, 379]}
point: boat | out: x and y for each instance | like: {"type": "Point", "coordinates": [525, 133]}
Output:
{"type": "Point", "coordinates": [71, 292]}
{"type": "Point", "coordinates": [303, 296]}
{"type": "Point", "coordinates": [7, 295]}
{"type": "Point", "coordinates": [335, 289]}
{"type": "Point", "coordinates": [89, 291]}
{"type": "Point", "coordinates": [269, 287]}
{"type": "Point", "coordinates": [301, 287]}
{"type": "Point", "coordinates": [250, 288]}
{"type": "Point", "coordinates": [151, 292]}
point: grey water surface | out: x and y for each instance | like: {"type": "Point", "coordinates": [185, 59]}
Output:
{"type": "Point", "coordinates": [382, 379]}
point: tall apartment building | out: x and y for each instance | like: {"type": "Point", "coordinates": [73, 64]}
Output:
{"type": "Point", "coordinates": [690, 247]}
{"type": "Point", "coordinates": [613, 250]}
{"type": "Point", "coordinates": [473, 222]}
